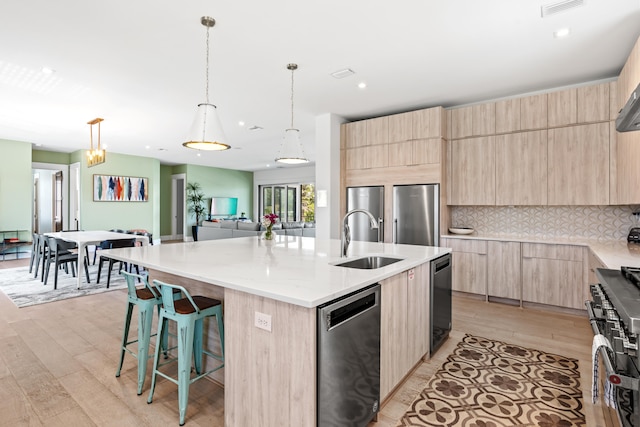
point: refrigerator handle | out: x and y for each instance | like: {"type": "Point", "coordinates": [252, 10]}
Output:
{"type": "Point", "coordinates": [380, 230]}
{"type": "Point", "coordinates": [395, 230]}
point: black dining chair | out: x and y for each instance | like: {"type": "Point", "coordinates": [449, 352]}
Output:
{"type": "Point", "coordinates": [115, 244]}
{"type": "Point", "coordinates": [59, 254]}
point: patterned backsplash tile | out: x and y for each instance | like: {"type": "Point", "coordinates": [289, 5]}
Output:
{"type": "Point", "coordinates": [592, 222]}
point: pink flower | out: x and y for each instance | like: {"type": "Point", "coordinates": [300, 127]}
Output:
{"type": "Point", "coordinates": [269, 219]}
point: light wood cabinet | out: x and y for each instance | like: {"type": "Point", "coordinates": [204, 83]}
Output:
{"type": "Point", "coordinates": [355, 134]}
{"type": "Point", "coordinates": [578, 165]}
{"type": "Point", "coordinates": [393, 332]}
{"type": "Point", "coordinates": [355, 158]}
{"type": "Point", "coordinates": [471, 171]}
{"type": "Point", "coordinates": [508, 116]}
{"type": "Point", "coordinates": [461, 123]}
{"type": "Point", "coordinates": [417, 152]}
{"type": "Point", "coordinates": [372, 156]}
{"type": "Point", "coordinates": [428, 123]}
{"type": "Point", "coordinates": [562, 108]}
{"type": "Point", "coordinates": [418, 310]}
{"type": "Point", "coordinates": [483, 119]}
{"type": "Point", "coordinates": [404, 338]}
{"type": "Point", "coordinates": [503, 270]}
{"type": "Point", "coordinates": [400, 127]}
{"type": "Point", "coordinates": [553, 274]}
{"type": "Point", "coordinates": [469, 265]}
{"type": "Point", "coordinates": [593, 103]}
{"type": "Point", "coordinates": [521, 168]}
{"type": "Point", "coordinates": [533, 112]}
{"type": "Point", "coordinates": [377, 131]}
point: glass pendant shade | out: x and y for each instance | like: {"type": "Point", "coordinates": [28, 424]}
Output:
{"type": "Point", "coordinates": [206, 131]}
{"type": "Point", "coordinates": [291, 150]}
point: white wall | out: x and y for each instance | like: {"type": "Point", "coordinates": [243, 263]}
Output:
{"type": "Point", "coordinates": [328, 175]}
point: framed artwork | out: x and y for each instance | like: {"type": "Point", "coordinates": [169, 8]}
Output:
{"type": "Point", "coordinates": [108, 188]}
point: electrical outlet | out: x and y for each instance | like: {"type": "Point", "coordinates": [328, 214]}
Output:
{"type": "Point", "coordinates": [263, 321]}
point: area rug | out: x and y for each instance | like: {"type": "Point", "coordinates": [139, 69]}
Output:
{"type": "Point", "coordinates": [487, 383]}
{"type": "Point", "coordinates": [20, 286]}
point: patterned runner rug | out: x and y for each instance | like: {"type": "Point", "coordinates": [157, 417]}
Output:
{"type": "Point", "coordinates": [20, 286]}
{"type": "Point", "coordinates": [487, 383]}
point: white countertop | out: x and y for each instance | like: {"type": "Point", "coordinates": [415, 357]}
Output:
{"type": "Point", "coordinates": [612, 253]}
{"type": "Point", "coordinates": [296, 270]}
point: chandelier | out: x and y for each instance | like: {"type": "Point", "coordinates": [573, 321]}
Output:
{"type": "Point", "coordinates": [98, 155]}
{"type": "Point", "coordinates": [291, 151]}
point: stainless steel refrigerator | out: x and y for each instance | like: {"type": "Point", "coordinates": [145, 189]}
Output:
{"type": "Point", "coordinates": [371, 199]}
{"type": "Point", "coordinates": [416, 214]}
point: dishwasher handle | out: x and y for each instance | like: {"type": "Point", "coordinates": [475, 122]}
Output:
{"type": "Point", "coordinates": [341, 311]}
{"type": "Point", "coordinates": [441, 263]}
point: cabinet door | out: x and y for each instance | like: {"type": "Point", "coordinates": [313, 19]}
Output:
{"type": "Point", "coordinates": [355, 158]}
{"type": "Point", "coordinates": [393, 332]}
{"type": "Point", "coordinates": [427, 123]}
{"type": "Point", "coordinates": [376, 156]}
{"type": "Point", "coordinates": [426, 151]}
{"type": "Point", "coordinates": [356, 134]}
{"type": "Point", "coordinates": [508, 116]}
{"type": "Point", "coordinates": [377, 131]}
{"type": "Point", "coordinates": [563, 108]}
{"type": "Point", "coordinates": [401, 153]}
{"type": "Point", "coordinates": [533, 112]}
{"type": "Point", "coordinates": [461, 122]}
{"type": "Point", "coordinates": [521, 168]}
{"type": "Point", "coordinates": [400, 126]}
{"type": "Point", "coordinates": [578, 165]}
{"type": "Point", "coordinates": [469, 265]}
{"type": "Point", "coordinates": [472, 171]}
{"type": "Point", "coordinates": [503, 270]}
{"type": "Point", "coordinates": [483, 117]}
{"type": "Point", "coordinates": [553, 281]}
{"type": "Point", "coordinates": [418, 309]}
{"type": "Point", "coordinates": [593, 103]}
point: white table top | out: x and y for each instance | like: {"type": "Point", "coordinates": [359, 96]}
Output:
{"type": "Point", "coordinates": [95, 236]}
{"type": "Point", "coordinates": [296, 270]}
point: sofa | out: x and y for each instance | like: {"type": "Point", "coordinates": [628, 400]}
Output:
{"type": "Point", "coordinates": [226, 229]}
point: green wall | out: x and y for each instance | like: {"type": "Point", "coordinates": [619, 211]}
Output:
{"type": "Point", "coordinates": [16, 187]}
{"type": "Point", "coordinates": [165, 199]}
{"type": "Point", "coordinates": [95, 215]}
{"type": "Point", "coordinates": [40, 156]}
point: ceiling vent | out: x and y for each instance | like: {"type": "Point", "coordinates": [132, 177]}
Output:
{"type": "Point", "coordinates": [255, 127]}
{"type": "Point", "coordinates": [341, 74]}
{"type": "Point", "coordinates": [561, 6]}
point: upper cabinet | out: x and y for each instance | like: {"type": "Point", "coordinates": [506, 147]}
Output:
{"type": "Point", "coordinates": [527, 113]}
{"type": "Point", "coordinates": [472, 171]}
{"type": "Point", "coordinates": [377, 131]}
{"type": "Point", "coordinates": [593, 103]}
{"type": "Point", "coordinates": [562, 108]}
{"type": "Point", "coordinates": [477, 120]}
{"type": "Point", "coordinates": [355, 134]}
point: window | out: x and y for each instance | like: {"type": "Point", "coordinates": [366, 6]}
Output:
{"type": "Point", "coordinates": [291, 202]}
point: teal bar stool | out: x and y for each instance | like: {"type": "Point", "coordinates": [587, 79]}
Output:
{"type": "Point", "coordinates": [146, 298]}
{"type": "Point", "coordinates": [188, 313]}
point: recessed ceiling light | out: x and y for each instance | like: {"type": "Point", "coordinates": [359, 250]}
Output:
{"type": "Point", "coordinates": [198, 154]}
{"type": "Point", "coordinates": [362, 85]}
{"type": "Point", "coordinates": [341, 74]}
{"type": "Point", "coordinates": [562, 32]}
{"type": "Point", "coordinates": [268, 165]}
{"type": "Point", "coordinates": [240, 123]}
{"type": "Point", "coordinates": [147, 147]}
{"type": "Point", "coordinates": [48, 70]}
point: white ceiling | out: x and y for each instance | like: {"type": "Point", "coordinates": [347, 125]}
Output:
{"type": "Point", "coordinates": [140, 65]}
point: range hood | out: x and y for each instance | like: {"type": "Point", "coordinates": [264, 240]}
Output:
{"type": "Point", "coordinates": [629, 117]}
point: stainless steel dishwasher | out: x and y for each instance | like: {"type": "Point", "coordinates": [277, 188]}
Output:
{"type": "Point", "coordinates": [440, 301]}
{"type": "Point", "coordinates": [348, 355]}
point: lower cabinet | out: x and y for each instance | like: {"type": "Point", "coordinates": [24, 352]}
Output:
{"type": "Point", "coordinates": [404, 337]}
{"type": "Point", "coordinates": [503, 270]}
{"type": "Point", "coordinates": [554, 274]}
{"type": "Point", "coordinates": [469, 265]}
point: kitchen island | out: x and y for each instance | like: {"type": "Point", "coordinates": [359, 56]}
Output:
{"type": "Point", "coordinates": [270, 376]}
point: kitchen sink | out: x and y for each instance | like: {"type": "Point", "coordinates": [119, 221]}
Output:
{"type": "Point", "coordinates": [369, 262]}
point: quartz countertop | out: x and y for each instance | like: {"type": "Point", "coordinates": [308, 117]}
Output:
{"type": "Point", "coordinates": [612, 253]}
{"type": "Point", "coordinates": [297, 270]}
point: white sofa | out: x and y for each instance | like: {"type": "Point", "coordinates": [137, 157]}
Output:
{"type": "Point", "coordinates": [228, 229]}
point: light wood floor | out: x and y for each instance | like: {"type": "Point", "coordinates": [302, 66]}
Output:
{"type": "Point", "coordinates": [58, 363]}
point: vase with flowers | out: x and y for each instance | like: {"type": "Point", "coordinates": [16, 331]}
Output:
{"type": "Point", "coordinates": [269, 221]}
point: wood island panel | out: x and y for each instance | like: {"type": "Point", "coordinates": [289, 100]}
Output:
{"type": "Point", "coordinates": [270, 377]}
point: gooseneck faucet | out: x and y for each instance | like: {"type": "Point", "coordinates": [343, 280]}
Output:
{"type": "Point", "coordinates": [346, 232]}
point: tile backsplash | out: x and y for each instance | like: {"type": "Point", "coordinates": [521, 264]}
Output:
{"type": "Point", "coordinates": [592, 222]}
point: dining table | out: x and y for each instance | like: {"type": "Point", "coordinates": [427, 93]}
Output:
{"type": "Point", "coordinates": [85, 238]}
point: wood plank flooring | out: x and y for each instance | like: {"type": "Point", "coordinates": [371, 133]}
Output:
{"type": "Point", "coordinates": [58, 363]}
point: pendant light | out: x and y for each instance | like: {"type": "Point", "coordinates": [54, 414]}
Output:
{"type": "Point", "coordinates": [206, 131]}
{"type": "Point", "coordinates": [98, 155]}
{"type": "Point", "coordinates": [291, 151]}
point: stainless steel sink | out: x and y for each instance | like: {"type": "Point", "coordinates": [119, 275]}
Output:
{"type": "Point", "coordinates": [369, 262]}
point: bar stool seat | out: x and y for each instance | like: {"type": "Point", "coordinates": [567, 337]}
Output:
{"type": "Point", "coordinates": [145, 298]}
{"type": "Point", "coordinates": [188, 313]}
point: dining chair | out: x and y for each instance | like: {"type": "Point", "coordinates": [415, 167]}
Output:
{"type": "Point", "coordinates": [115, 244]}
{"type": "Point", "coordinates": [59, 254]}
{"type": "Point", "coordinates": [34, 251]}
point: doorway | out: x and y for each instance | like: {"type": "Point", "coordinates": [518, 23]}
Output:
{"type": "Point", "coordinates": [178, 206]}
{"type": "Point", "coordinates": [50, 193]}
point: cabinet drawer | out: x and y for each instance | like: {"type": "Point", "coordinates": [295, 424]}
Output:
{"type": "Point", "coordinates": [467, 245]}
{"type": "Point", "coordinates": [547, 251]}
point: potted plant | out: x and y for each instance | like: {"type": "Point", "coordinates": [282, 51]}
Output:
{"type": "Point", "coordinates": [195, 205]}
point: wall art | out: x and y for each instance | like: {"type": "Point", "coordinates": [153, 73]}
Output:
{"type": "Point", "coordinates": [108, 188]}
